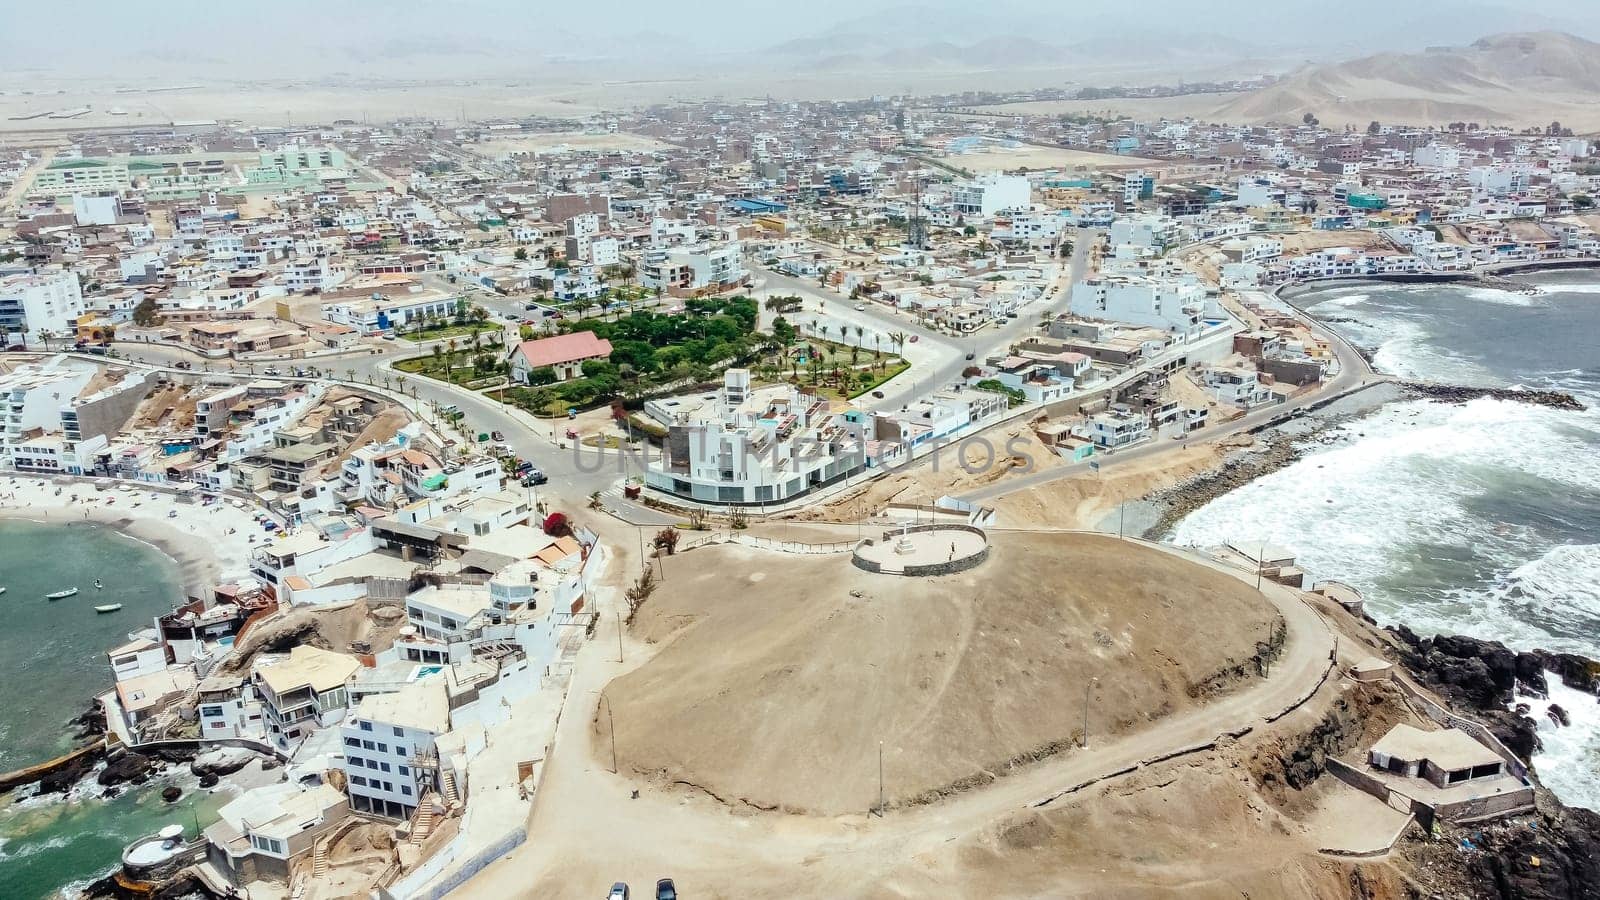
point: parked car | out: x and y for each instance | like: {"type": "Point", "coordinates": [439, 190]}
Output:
{"type": "Point", "coordinates": [666, 890]}
{"type": "Point", "coordinates": [388, 337]}
{"type": "Point", "coordinates": [971, 356]}
{"type": "Point", "coordinates": [861, 307]}
{"type": "Point", "coordinates": [878, 394]}
{"type": "Point", "coordinates": [619, 891]}
{"type": "Point", "coordinates": [534, 478]}
{"type": "Point", "coordinates": [499, 436]}
{"type": "Point", "coordinates": [913, 339]}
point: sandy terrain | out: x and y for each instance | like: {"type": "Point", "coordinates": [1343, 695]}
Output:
{"type": "Point", "coordinates": [957, 676]}
{"type": "Point", "coordinates": [565, 141]}
{"type": "Point", "coordinates": [211, 544]}
{"type": "Point", "coordinates": [1034, 158]}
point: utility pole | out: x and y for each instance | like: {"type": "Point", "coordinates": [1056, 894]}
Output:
{"type": "Point", "coordinates": [1089, 685]}
{"type": "Point", "coordinates": [881, 805]}
{"type": "Point", "coordinates": [619, 637]}
{"type": "Point", "coordinates": [1260, 564]}
{"type": "Point", "coordinates": [611, 726]}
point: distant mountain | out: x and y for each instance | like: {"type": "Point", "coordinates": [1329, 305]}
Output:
{"type": "Point", "coordinates": [1512, 79]}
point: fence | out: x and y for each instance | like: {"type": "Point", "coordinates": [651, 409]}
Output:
{"type": "Point", "coordinates": [801, 547]}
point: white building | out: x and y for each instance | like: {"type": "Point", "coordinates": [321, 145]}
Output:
{"type": "Point", "coordinates": [96, 209]}
{"type": "Point", "coordinates": [754, 447]}
{"type": "Point", "coordinates": [1155, 232]}
{"type": "Point", "coordinates": [33, 305]}
{"type": "Point", "coordinates": [987, 195]}
{"type": "Point", "coordinates": [694, 269]}
{"type": "Point", "coordinates": [1175, 306]}
{"type": "Point", "coordinates": [302, 691]}
{"type": "Point", "coordinates": [389, 758]}
{"type": "Point", "coordinates": [1437, 156]}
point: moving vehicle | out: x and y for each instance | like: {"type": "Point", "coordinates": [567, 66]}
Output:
{"type": "Point", "coordinates": [971, 356]}
{"type": "Point", "coordinates": [61, 595]}
{"type": "Point", "coordinates": [497, 435]}
{"type": "Point", "coordinates": [666, 890]}
{"type": "Point", "coordinates": [619, 891]}
{"type": "Point", "coordinates": [878, 394]}
{"type": "Point", "coordinates": [861, 307]}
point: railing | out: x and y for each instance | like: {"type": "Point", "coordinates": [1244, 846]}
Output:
{"type": "Point", "coordinates": [1449, 719]}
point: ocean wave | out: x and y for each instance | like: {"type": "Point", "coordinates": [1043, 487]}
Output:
{"type": "Point", "coordinates": [1345, 301]}
{"type": "Point", "coordinates": [1569, 288]}
{"type": "Point", "coordinates": [26, 850]}
{"type": "Point", "coordinates": [1568, 761]}
{"type": "Point", "coordinates": [1501, 297]}
{"type": "Point", "coordinates": [1395, 507]}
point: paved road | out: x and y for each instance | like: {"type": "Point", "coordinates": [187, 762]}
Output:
{"type": "Point", "coordinates": [1354, 373]}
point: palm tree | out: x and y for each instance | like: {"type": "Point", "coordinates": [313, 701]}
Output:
{"type": "Point", "coordinates": [449, 358]}
{"type": "Point", "coordinates": [350, 374]}
{"type": "Point", "coordinates": [877, 345]}
{"type": "Point", "coordinates": [859, 332]}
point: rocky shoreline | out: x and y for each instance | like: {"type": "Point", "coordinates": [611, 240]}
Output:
{"type": "Point", "coordinates": [1554, 854]}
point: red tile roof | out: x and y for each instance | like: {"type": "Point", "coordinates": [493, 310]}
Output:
{"type": "Point", "coordinates": [563, 348]}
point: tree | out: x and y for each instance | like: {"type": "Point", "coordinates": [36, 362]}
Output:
{"type": "Point", "coordinates": [1373, 127]}
{"type": "Point", "coordinates": [667, 539]}
{"type": "Point", "coordinates": [1310, 119]}
{"type": "Point", "coordinates": [1582, 201]}
{"type": "Point", "coordinates": [521, 254]}
{"type": "Point", "coordinates": [147, 314]}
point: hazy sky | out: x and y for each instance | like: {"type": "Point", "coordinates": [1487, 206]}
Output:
{"type": "Point", "coordinates": [467, 38]}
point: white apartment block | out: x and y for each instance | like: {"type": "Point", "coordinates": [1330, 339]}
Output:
{"type": "Point", "coordinates": [1175, 306]}
{"type": "Point", "coordinates": [987, 195]}
{"type": "Point", "coordinates": [694, 269]}
{"type": "Point", "coordinates": [1437, 156]}
{"type": "Point", "coordinates": [389, 758]}
{"type": "Point", "coordinates": [33, 305]}
{"type": "Point", "coordinates": [302, 691]}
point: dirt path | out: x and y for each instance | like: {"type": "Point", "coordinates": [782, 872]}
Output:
{"type": "Point", "coordinates": [586, 832]}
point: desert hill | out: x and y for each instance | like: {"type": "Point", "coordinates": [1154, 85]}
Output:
{"type": "Point", "coordinates": [781, 674]}
{"type": "Point", "coordinates": [1511, 79]}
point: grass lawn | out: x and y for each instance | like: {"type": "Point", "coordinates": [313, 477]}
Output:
{"type": "Point", "coordinates": [444, 331]}
{"type": "Point", "coordinates": [831, 391]}
{"type": "Point", "coordinates": [461, 369]}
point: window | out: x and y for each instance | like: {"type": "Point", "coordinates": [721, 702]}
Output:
{"type": "Point", "coordinates": [387, 786]}
{"type": "Point", "coordinates": [366, 726]}
{"type": "Point", "coordinates": [399, 732]}
{"type": "Point", "coordinates": [210, 710]}
{"type": "Point", "coordinates": [405, 789]}
{"type": "Point", "coordinates": [355, 761]}
{"type": "Point", "coordinates": [404, 770]}
{"type": "Point", "coordinates": [400, 751]}
{"type": "Point", "coordinates": [352, 742]}
{"type": "Point", "coordinates": [358, 781]}
{"type": "Point", "coordinates": [383, 766]}
{"type": "Point", "coordinates": [383, 748]}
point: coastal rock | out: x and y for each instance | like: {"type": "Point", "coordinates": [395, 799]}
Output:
{"type": "Point", "coordinates": [1558, 715]}
{"type": "Point", "coordinates": [89, 723]}
{"type": "Point", "coordinates": [127, 767]}
{"type": "Point", "coordinates": [209, 780]}
{"type": "Point", "coordinates": [171, 793]}
{"type": "Point", "coordinates": [61, 779]}
{"type": "Point", "coordinates": [1554, 857]}
{"type": "Point", "coordinates": [1456, 393]}
{"type": "Point", "coordinates": [221, 761]}
{"type": "Point", "coordinates": [1477, 676]}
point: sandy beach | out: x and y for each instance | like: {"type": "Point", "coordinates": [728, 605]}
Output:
{"type": "Point", "coordinates": [210, 543]}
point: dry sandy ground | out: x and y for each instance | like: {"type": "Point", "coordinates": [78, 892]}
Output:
{"type": "Point", "coordinates": [957, 676]}
{"type": "Point", "coordinates": [1034, 158]}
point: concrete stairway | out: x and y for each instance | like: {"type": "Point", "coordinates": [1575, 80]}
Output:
{"type": "Point", "coordinates": [319, 860]}
{"type": "Point", "coordinates": [447, 785]}
{"type": "Point", "coordinates": [423, 826]}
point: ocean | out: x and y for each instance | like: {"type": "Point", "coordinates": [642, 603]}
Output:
{"type": "Point", "coordinates": [1480, 518]}
{"type": "Point", "coordinates": [52, 663]}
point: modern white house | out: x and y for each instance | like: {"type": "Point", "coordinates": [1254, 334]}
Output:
{"type": "Point", "coordinates": [694, 269]}
{"type": "Point", "coordinates": [1177, 306]}
{"type": "Point", "coordinates": [302, 691]}
{"type": "Point", "coordinates": [389, 758]}
{"type": "Point", "coordinates": [987, 195]}
{"type": "Point", "coordinates": [36, 304]}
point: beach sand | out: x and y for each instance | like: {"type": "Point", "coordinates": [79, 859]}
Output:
{"type": "Point", "coordinates": [198, 538]}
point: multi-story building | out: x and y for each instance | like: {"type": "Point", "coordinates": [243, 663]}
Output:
{"type": "Point", "coordinates": [36, 305]}
{"type": "Point", "coordinates": [1175, 306]}
{"type": "Point", "coordinates": [694, 269]}
{"type": "Point", "coordinates": [987, 195]}
{"type": "Point", "coordinates": [389, 758]}
{"type": "Point", "coordinates": [302, 691]}
{"type": "Point", "coordinates": [754, 447]}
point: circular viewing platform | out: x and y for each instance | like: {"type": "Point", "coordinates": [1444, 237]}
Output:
{"type": "Point", "coordinates": [921, 551]}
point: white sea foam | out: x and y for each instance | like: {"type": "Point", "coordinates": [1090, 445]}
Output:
{"type": "Point", "coordinates": [1569, 288]}
{"type": "Point", "coordinates": [1501, 297]}
{"type": "Point", "coordinates": [1570, 755]}
{"type": "Point", "coordinates": [1344, 301]}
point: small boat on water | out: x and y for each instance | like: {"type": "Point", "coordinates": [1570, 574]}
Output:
{"type": "Point", "coordinates": [59, 595]}
{"type": "Point", "coordinates": [108, 608]}
{"type": "Point", "coordinates": [97, 585]}
{"type": "Point", "coordinates": [2, 590]}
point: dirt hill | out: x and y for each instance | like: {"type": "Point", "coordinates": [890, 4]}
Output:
{"type": "Point", "coordinates": [782, 673]}
{"type": "Point", "coordinates": [1511, 79]}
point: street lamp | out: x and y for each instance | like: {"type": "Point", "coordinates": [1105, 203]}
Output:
{"type": "Point", "coordinates": [1086, 689]}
